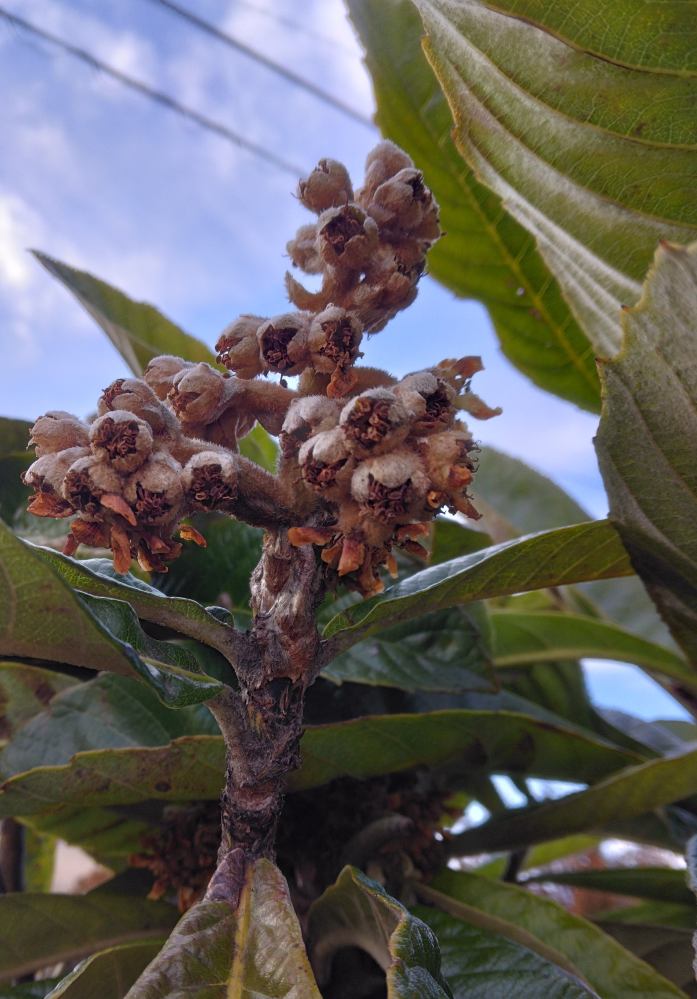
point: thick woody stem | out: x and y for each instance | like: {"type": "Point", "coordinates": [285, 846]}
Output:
{"type": "Point", "coordinates": [262, 724]}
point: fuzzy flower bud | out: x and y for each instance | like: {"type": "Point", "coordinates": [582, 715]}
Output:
{"type": "Point", "coordinates": [87, 482]}
{"type": "Point", "coordinates": [382, 162]}
{"type": "Point", "coordinates": [238, 347]}
{"type": "Point", "coordinates": [154, 492]}
{"type": "Point", "coordinates": [196, 392]}
{"type": "Point", "coordinates": [137, 397]}
{"type": "Point", "coordinates": [450, 468]}
{"type": "Point", "coordinates": [374, 422]}
{"type": "Point", "coordinates": [46, 476]}
{"type": "Point", "coordinates": [405, 203]}
{"type": "Point", "coordinates": [346, 237]}
{"type": "Point", "coordinates": [328, 186]}
{"type": "Point", "coordinates": [430, 400]}
{"type": "Point", "coordinates": [327, 465]}
{"type": "Point", "coordinates": [391, 488]}
{"type": "Point", "coordinates": [283, 342]}
{"type": "Point", "coordinates": [209, 480]}
{"type": "Point", "coordinates": [160, 372]}
{"type": "Point", "coordinates": [57, 431]}
{"type": "Point", "coordinates": [121, 439]}
{"type": "Point", "coordinates": [307, 416]}
{"type": "Point", "coordinates": [335, 336]}
{"type": "Point", "coordinates": [302, 249]}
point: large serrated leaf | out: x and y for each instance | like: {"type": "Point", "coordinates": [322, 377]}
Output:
{"type": "Point", "coordinates": [552, 558]}
{"type": "Point", "coordinates": [242, 940]}
{"type": "Point", "coordinates": [357, 912]}
{"type": "Point", "coordinates": [646, 441]}
{"type": "Point", "coordinates": [137, 330]}
{"type": "Point", "coordinates": [608, 967]}
{"type": "Point", "coordinates": [626, 795]}
{"type": "Point", "coordinates": [585, 154]}
{"type": "Point", "coordinates": [486, 253]}
{"type": "Point", "coordinates": [43, 930]}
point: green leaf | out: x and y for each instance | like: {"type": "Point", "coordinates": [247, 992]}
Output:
{"type": "Point", "coordinates": [97, 576]}
{"type": "Point", "coordinates": [552, 558]}
{"type": "Point", "coordinates": [658, 883]}
{"type": "Point", "coordinates": [648, 422]}
{"type": "Point", "coordinates": [24, 692]}
{"type": "Point", "coordinates": [108, 836]}
{"type": "Point", "coordinates": [137, 330]}
{"type": "Point", "coordinates": [526, 498]}
{"type": "Point", "coordinates": [39, 861]}
{"type": "Point", "coordinates": [14, 459]}
{"type": "Point", "coordinates": [486, 254]}
{"type": "Point", "coordinates": [452, 539]}
{"type": "Point", "coordinates": [653, 913]}
{"type": "Point", "coordinates": [221, 571]}
{"type": "Point", "coordinates": [537, 637]}
{"type": "Point", "coordinates": [667, 949]}
{"type": "Point", "coordinates": [29, 990]}
{"type": "Point", "coordinates": [626, 795]}
{"type": "Point", "coordinates": [260, 447]}
{"type": "Point", "coordinates": [243, 939]}
{"type": "Point", "coordinates": [606, 966]}
{"type": "Point", "coordinates": [484, 965]}
{"type": "Point", "coordinates": [595, 158]}
{"type": "Point", "coordinates": [357, 912]}
{"type": "Point", "coordinates": [465, 744]}
{"type": "Point", "coordinates": [109, 712]}
{"type": "Point", "coordinates": [442, 651]}
{"type": "Point", "coordinates": [110, 973]}
{"type": "Point", "coordinates": [42, 617]}
{"type": "Point", "coordinates": [42, 930]}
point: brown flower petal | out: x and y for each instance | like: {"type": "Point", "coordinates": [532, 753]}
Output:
{"type": "Point", "coordinates": [71, 545]}
{"type": "Point", "coordinates": [353, 553]}
{"type": "Point", "coordinates": [299, 536]}
{"type": "Point", "coordinates": [121, 547]}
{"type": "Point", "coordinates": [117, 504]}
{"type": "Point", "coordinates": [190, 533]}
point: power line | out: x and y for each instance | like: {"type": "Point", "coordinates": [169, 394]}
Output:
{"type": "Point", "coordinates": [275, 67]}
{"type": "Point", "coordinates": [296, 26]}
{"type": "Point", "coordinates": [157, 95]}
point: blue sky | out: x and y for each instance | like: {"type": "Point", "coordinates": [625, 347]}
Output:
{"type": "Point", "coordinates": [105, 180]}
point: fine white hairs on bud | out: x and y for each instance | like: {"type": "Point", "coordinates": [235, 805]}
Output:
{"type": "Point", "coordinates": [430, 400]}
{"type": "Point", "coordinates": [238, 347]}
{"type": "Point", "coordinates": [160, 372]}
{"type": "Point", "coordinates": [209, 480]}
{"type": "Point", "coordinates": [302, 249]}
{"type": "Point", "coordinates": [121, 439]}
{"type": "Point", "coordinates": [447, 460]}
{"type": "Point", "coordinates": [327, 465]}
{"type": "Point", "coordinates": [382, 162]}
{"type": "Point", "coordinates": [404, 204]}
{"type": "Point", "coordinates": [154, 492]}
{"type": "Point", "coordinates": [137, 397]}
{"type": "Point", "coordinates": [328, 186]}
{"type": "Point", "coordinates": [283, 342]}
{"type": "Point", "coordinates": [86, 482]}
{"type": "Point", "coordinates": [57, 431]}
{"type": "Point", "coordinates": [374, 423]}
{"type": "Point", "coordinates": [196, 393]}
{"type": "Point", "coordinates": [46, 476]}
{"type": "Point", "coordinates": [335, 336]}
{"type": "Point", "coordinates": [391, 488]}
{"type": "Point", "coordinates": [346, 237]}
{"type": "Point", "coordinates": [307, 416]}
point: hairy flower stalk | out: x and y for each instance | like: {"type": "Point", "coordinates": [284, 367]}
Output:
{"type": "Point", "coordinates": [366, 461]}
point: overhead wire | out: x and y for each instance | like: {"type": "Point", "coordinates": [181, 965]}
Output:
{"type": "Point", "coordinates": [156, 95]}
{"type": "Point", "coordinates": [297, 26]}
{"type": "Point", "coordinates": [275, 67]}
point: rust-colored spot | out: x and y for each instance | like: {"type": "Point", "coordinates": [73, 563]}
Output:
{"type": "Point", "coordinates": [209, 488]}
{"type": "Point", "coordinates": [110, 393]}
{"type": "Point", "coordinates": [387, 502]}
{"type": "Point", "coordinates": [274, 346]}
{"type": "Point", "coordinates": [368, 422]}
{"type": "Point", "coordinates": [342, 228]}
{"type": "Point", "coordinates": [322, 475]}
{"type": "Point", "coordinates": [162, 786]}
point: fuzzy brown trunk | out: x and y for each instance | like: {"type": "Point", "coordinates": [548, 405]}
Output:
{"type": "Point", "coordinates": [262, 723]}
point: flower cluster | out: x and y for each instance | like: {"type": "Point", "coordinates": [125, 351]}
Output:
{"type": "Point", "coordinates": [371, 251]}
{"type": "Point", "coordinates": [365, 461]}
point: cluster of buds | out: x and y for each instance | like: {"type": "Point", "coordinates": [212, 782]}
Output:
{"type": "Point", "coordinates": [128, 478]}
{"type": "Point", "coordinates": [378, 467]}
{"type": "Point", "coordinates": [371, 251]}
{"type": "Point", "coordinates": [365, 461]}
